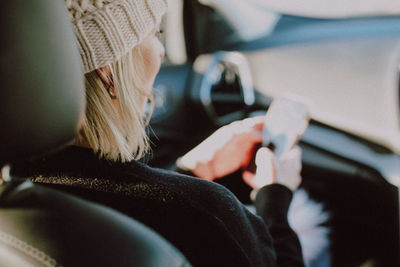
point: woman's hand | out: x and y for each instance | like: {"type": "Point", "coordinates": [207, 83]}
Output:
{"type": "Point", "coordinates": [270, 171]}
{"type": "Point", "coordinates": [225, 151]}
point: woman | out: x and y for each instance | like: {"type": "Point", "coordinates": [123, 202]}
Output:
{"type": "Point", "coordinates": [121, 56]}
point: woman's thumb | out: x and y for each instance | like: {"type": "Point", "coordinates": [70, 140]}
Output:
{"type": "Point", "coordinates": [265, 161]}
{"type": "Point", "coordinates": [264, 157]}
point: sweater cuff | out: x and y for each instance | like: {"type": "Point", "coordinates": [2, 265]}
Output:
{"type": "Point", "coordinates": [272, 202]}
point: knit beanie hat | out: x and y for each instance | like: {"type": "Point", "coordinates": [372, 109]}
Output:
{"type": "Point", "coordinates": [108, 29]}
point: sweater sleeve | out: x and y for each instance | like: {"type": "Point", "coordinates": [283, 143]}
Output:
{"type": "Point", "coordinates": [272, 204]}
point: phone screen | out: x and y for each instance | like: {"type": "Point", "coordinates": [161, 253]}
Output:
{"type": "Point", "coordinates": [285, 122]}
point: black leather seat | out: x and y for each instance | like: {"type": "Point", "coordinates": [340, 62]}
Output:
{"type": "Point", "coordinates": [41, 103]}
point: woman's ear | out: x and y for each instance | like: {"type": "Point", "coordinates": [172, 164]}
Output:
{"type": "Point", "coordinates": [106, 77]}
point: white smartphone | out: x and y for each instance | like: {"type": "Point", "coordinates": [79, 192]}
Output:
{"type": "Point", "coordinates": [285, 122]}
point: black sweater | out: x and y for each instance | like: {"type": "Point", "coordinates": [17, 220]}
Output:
{"type": "Point", "coordinates": [202, 219]}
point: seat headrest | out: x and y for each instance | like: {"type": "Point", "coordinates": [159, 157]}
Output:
{"type": "Point", "coordinates": [42, 86]}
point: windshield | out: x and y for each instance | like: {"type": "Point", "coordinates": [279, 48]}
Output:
{"type": "Point", "coordinates": [342, 55]}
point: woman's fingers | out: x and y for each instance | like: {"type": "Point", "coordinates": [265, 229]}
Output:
{"type": "Point", "coordinates": [265, 173]}
{"type": "Point", "coordinates": [270, 171]}
{"type": "Point", "coordinates": [226, 150]}
{"type": "Point", "coordinates": [289, 168]}
{"type": "Point", "coordinates": [256, 123]}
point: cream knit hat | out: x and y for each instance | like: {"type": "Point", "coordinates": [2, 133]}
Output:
{"type": "Point", "coordinates": [108, 29]}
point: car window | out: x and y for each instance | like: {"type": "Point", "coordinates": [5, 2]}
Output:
{"type": "Point", "coordinates": [173, 37]}
{"type": "Point", "coordinates": [352, 82]}
{"type": "Point", "coordinates": [345, 58]}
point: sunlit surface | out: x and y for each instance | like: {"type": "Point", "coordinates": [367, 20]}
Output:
{"type": "Point", "coordinates": [353, 83]}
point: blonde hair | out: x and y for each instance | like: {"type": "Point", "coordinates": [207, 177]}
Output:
{"type": "Point", "coordinates": [117, 135]}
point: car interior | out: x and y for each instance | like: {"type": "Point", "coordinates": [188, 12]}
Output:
{"type": "Point", "coordinates": [42, 103]}
{"type": "Point", "coordinates": [350, 175]}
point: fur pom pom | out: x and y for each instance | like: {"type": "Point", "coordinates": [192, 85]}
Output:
{"type": "Point", "coordinates": [305, 216]}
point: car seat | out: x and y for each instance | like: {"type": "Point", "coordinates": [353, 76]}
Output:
{"type": "Point", "coordinates": [41, 105]}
